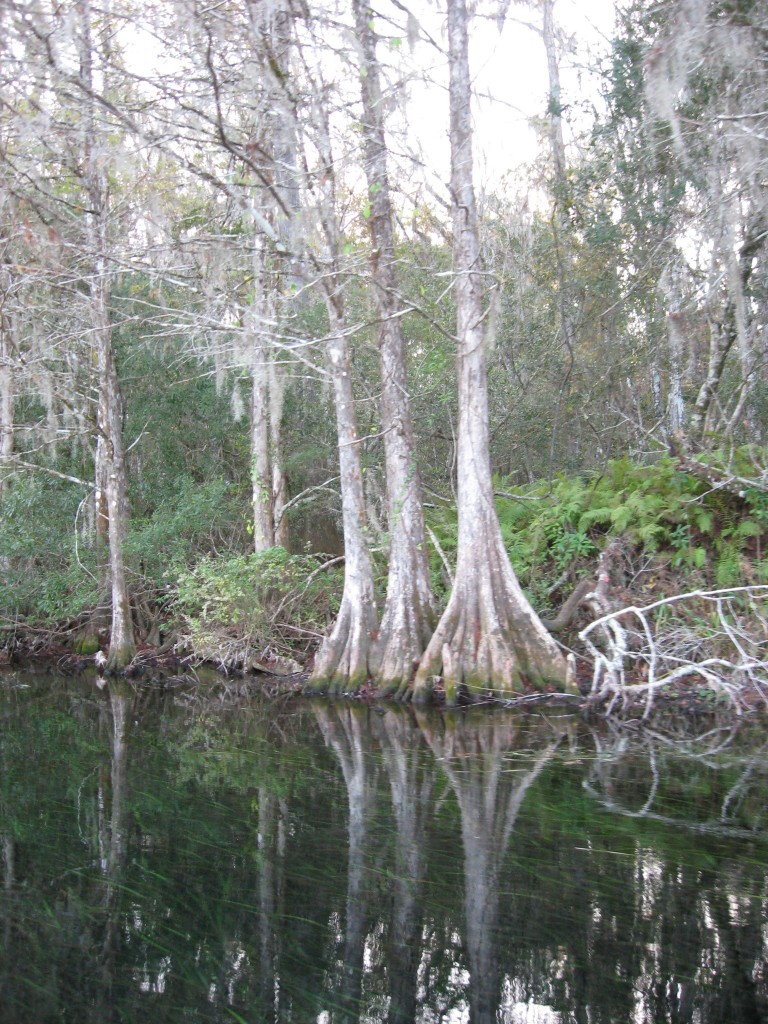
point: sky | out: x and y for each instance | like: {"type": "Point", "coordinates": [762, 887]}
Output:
{"type": "Point", "coordinates": [511, 86]}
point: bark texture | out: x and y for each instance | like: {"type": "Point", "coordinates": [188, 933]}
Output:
{"type": "Point", "coordinates": [409, 614]}
{"type": "Point", "coordinates": [489, 639]}
{"type": "Point", "coordinates": [341, 664]}
{"type": "Point", "coordinates": [6, 384]}
{"type": "Point", "coordinates": [271, 157]}
{"type": "Point", "coordinates": [261, 469]}
{"type": "Point", "coordinates": [122, 645]}
{"type": "Point", "coordinates": [725, 334]}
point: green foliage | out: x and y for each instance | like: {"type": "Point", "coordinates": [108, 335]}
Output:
{"type": "Point", "coordinates": [48, 569]}
{"type": "Point", "coordinates": [661, 510]}
{"type": "Point", "coordinates": [266, 603]}
{"type": "Point", "coordinates": [185, 525]}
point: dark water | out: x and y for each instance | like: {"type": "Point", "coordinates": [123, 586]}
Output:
{"type": "Point", "coordinates": [169, 860]}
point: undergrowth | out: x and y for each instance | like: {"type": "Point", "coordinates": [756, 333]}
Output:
{"type": "Point", "coordinates": [679, 529]}
{"type": "Point", "coordinates": [243, 609]}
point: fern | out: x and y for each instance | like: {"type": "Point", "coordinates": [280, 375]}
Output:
{"type": "Point", "coordinates": [621, 517]}
{"type": "Point", "coordinates": [649, 534]}
{"type": "Point", "coordinates": [602, 516]}
{"type": "Point", "coordinates": [728, 568]}
{"type": "Point", "coordinates": [662, 509]}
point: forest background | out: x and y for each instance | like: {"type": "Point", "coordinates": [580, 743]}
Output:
{"type": "Point", "coordinates": [211, 254]}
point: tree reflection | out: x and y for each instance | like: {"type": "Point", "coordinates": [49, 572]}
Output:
{"type": "Point", "coordinates": [473, 753]}
{"type": "Point", "coordinates": [271, 848]}
{"type": "Point", "coordinates": [344, 730]}
{"type": "Point", "coordinates": [110, 815]}
{"type": "Point", "coordinates": [9, 882]}
{"type": "Point", "coordinates": [701, 953]}
{"type": "Point", "coordinates": [344, 864]}
{"type": "Point", "coordinates": [411, 782]}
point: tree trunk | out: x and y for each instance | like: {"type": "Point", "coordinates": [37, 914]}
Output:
{"type": "Point", "coordinates": [409, 615]}
{"type": "Point", "coordinates": [723, 335]}
{"type": "Point", "coordinates": [6, 386]}
{"type": "Point", "coordinates": [341, 664]}
{"type": "Point", "coordinates": [560, 226]}
{"type": "Point", "coordinates": [261, 469]}
{"type": "Point", "coordinates": [675, 410]}
{"type": "Point", "coordinates": [489, 639]}
{"type": "Point", "coordinates": [279, 480]}
{"type": "Point", "coordinates": [122, 645]}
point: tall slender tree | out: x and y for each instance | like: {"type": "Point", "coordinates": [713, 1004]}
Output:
{"type": "Point", "coordinates": [66, 58]}
{"type": "Point", "coordinates": [342, 662]}
{"type": "Point", "coordinates": [110, 468]}
{"type": "Point", "coordinates": [7, 393]}
{"type": "Point", "coordinates": [408, 616]}
{"type": "Point", "coordinates": [489, 638]}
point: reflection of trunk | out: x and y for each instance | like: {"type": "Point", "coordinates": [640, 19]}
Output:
{"type": "Point", "coordinates": [112, 845]}
{"type": "Point", "coordinates": [740, 936]}
{"type": "Point", "coordinates": [268, 842]}
{"type": "Point", "coordinates": [411, 784]}
{"type": "Point", "coordinates": [489, 799]}
{"type": "Point", "coordinates": [9, 882]}
{"type": "Point", "coordinates": [342, 730]}
{"type": "Point", "coordinates": [121, 707]}
{"type": "Point", "coordinates": [9, 876]}
{"type": "Point", "coordinates": [680, 945]}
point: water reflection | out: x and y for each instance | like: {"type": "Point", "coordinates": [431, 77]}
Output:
{"type": "Point", "coordinates": [167, 859]}
{"type": "Point", "coordinates": [344, 730]}
{"type": "Point", "coordinates": [472, 754]}
{"type": "Point", "coordinates": [411, 783]}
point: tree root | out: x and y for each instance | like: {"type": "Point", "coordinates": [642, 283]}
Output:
{"type": "Point", "coordinates": [489, 641]}
{"type": "Point", "coordinates": [567, 613]}
{"type": "Point", "coordinates": [341, 664]}
{"type": "Point", "coordinates": [395, 654]}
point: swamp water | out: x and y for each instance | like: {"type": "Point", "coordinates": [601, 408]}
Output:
{"type": "Point", "coordinates": [165, 859]}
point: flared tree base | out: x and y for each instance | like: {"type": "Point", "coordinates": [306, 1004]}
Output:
{"type": "Point", "coordinates": [399, 646]}
{"type": "Point", "coordinates": [341, 665]}
{"type": "Point", "coordinates": [489, 641]}
{"type": "Point", "coordinates": [119, 658]}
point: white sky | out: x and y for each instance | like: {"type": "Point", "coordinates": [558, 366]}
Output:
{"type": "Point", "coordinates": [511, 85]}
{"type": "Point", "coordinates": [509, 69]}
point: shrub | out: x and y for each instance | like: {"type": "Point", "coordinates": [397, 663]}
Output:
{"type": "Point", "coordinates": [557, 528]}
{"type": "Point", "coordinates": [257, 606]}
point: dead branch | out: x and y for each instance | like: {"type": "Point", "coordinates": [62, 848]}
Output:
{"type": "Point", "coordinates": [638, 651]}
